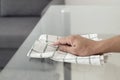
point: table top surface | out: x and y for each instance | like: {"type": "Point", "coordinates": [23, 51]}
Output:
{"type": "Point", "coordinates": [53, 22]}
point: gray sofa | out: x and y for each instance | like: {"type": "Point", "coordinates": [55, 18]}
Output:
{"type": "Point", "coordinates": [17, 20]}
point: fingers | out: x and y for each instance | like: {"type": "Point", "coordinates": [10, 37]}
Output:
{"type": "Point", "coordinates": [62, 41]}
{"type": "Point", "coordinates": [66, 44]}
{"type": "Point", "coordinates": [66, 48]}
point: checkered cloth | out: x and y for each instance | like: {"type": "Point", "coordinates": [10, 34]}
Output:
{"type": "Point", "coordinates": [42, 48]}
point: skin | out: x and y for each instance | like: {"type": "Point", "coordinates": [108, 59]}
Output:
{"type": "Point", "coordinates": [78, 45]}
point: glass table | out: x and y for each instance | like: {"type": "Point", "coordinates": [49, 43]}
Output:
{"type": "Point", "coordinates": [63, 21]}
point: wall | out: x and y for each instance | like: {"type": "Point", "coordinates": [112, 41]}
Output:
{"type": "Point", "coordinates": [92, 2]}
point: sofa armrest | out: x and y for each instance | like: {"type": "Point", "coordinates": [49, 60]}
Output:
{"type": "Point", "coordinates": [53, 2]}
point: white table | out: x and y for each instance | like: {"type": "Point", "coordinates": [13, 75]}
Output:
{"type": "Point", "coordinates": [65, 20]}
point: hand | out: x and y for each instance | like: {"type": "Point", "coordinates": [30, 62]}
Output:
{"type": "Point", "coordinates": [77, 45]}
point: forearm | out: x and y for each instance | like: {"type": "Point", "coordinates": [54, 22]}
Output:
{"type": "Point", "coordinates": [109, 45]}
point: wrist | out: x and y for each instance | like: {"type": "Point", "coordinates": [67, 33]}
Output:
{"type": "Point", "coordinates": [101, 47]}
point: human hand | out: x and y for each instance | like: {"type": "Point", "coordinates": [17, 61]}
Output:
{"type": "Point", "coordinates": [77, 45]}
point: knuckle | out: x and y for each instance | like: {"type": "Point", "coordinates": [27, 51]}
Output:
{"type": "Point", "coordinates": [74, 37]}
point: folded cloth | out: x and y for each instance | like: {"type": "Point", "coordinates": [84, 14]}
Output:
{"type": "Point", "coordinates": [42, 48]}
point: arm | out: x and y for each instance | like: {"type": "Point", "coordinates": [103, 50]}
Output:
{"type": "Point", "coordinates": [84, 47]}
{"type": "Point", "coordinates": [109, 45]}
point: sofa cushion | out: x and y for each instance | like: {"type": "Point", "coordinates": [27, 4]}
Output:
{"type": "Point", "coordinates": [22, 7]}
{"type": "Point", "coordinates": [14, 30]}
{"type": "Point", "coordinates": [5, 56]}
{"type": "Point", "coordinates": [0, 6]}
